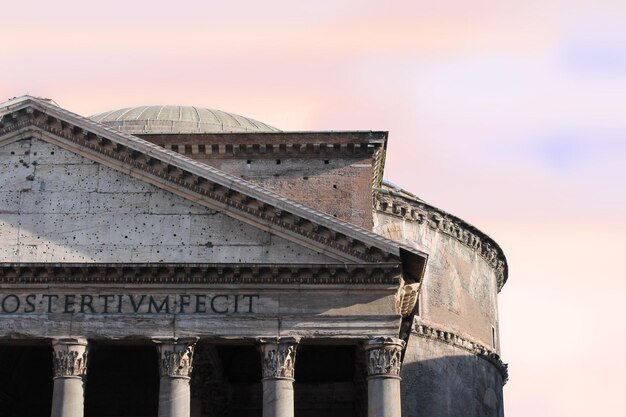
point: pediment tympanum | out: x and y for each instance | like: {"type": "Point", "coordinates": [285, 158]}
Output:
{"type": "Point", "coordinates": [29, 118]}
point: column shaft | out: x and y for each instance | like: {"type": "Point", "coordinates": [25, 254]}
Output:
{"type": "Point", "coordinates": [278, 398]}
{"type": "Point", "coordinates": [68, 398]}
{"type": "Point", "coordinates": [69, 360]}
{"type": "Point", "coordinates": [383, 399]}
{"type": "Point", "coordinates": [174, 397]}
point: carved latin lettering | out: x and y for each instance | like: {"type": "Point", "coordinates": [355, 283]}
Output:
{"type": "Point", "coordinates": [136, 306]}
{"type": "Point", "coordinates": [89, 304]}
{"type": "Point", "coordinates": [106, 299]}
{"type": "Point", "coordinates": [251, 298]}
{"type": "Point", "coordinates": [69, 303]}
{"type": "Point", "coordinates": [10, 304]}
{"type": "Point", "coordinates": [220, 311]}
{"type": "Point", "coordinates": [85, 301]}
{"type": "Point", "coordinates": [164, 303]}
{"type": "Point", "coordinates": [50, 298]}
{"type": "Point", "coordinates": [29, 303]}
{"type": "Point", "coordinates": [184, 302]}
{"type": "Point", "coordinates": [200, 303]}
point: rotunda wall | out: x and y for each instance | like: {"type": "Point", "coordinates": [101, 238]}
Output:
{"type": "Point", "coordinates": [460, 287]}
{"type": "Point", "coordinates": [441, 379]}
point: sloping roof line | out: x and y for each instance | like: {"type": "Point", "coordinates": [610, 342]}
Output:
{"type": "Point", "coordinates": [196, 181]}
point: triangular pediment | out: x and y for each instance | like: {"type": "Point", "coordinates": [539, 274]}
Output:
{"type": "Point", "coordinates": [57, 206]}
{"type": "Point", "coordinates": [235, 204]}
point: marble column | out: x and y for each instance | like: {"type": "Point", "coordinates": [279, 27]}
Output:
{"type": "Point", "coordinates": [175, 365]}
{"type": "Point", "coordinates": [278, 361]}
{"type": "Point", "coordinates": [382, 356]}
{"type": "Point", "coordinates": [69, 362]}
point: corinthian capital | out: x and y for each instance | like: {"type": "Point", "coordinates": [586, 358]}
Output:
{"type": "Point", "coordinates": [176, 357]}
{"type": "Point", "coordinates": [383, 356]}
{"type": "Point", "coordinates": [69, 358]}
{"type": "Point", "coordinates": [278, 357]}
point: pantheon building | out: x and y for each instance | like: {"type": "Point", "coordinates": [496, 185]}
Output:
{"type": "Point", "coordinates": [178, 261]}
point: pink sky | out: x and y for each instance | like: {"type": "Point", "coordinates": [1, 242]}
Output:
{"type": "Point", "coordinates": [508, 115]}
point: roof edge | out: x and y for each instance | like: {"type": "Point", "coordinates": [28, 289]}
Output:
{"type": "Point", "coordinates": [197, 181]}
{"type": "Point", "coordinates": [445, 222]}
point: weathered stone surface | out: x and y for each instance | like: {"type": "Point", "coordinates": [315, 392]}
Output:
{"type": "Point", "coordinates": [442, 380]}
{"type": "Point", "coordinates": [142, 205]}
{"type": "Point", "coordinates": [383, 357]}
{"type": "Point", "coordinates": [278, 363]}
{"type": "Point", "coordinates": [175, 366]}
{"type": "Point", "coordinates": [217, 311]}
{"type": "Point", "coordinates": [316, 182]}
{"type": "Point", "coordinates": [459, 289]}
{"type": "Point", "coordinates": [81, 211]}
{"type": "Point", "coordinates": [70, 367]}
{"type": "Point", "coordinates": [383, 362]}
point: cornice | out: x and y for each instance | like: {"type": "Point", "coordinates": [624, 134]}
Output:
{"type": "Point", "coordinates": [461, 342]}
{"type": "Point", "coordinates": [415, 210]}
{"type": "Point", "coordinates": [271, 144]}
{"type": "Point", "coordinates": [195, 181]}
{"type": "Point", "coordinates": [258, 274]}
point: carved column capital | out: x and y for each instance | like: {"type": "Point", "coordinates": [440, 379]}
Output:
{"type": "Point", "coordinates": [69, 358]}
{"type": "Point", "coordinates": [278, 357]}
{"type": "Point", "coordinates": [176, 357]}
{"type": "Point", "coordinates": [383, 356]}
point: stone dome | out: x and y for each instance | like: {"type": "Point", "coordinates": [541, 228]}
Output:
{"type": "Point", "coordinates": [178, 119]}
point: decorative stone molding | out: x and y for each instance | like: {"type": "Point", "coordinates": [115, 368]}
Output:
{"type": "Point", "coordinates": [383, 356]}
{"type": "Point", "coordinates": [450, 338]}
{"type": "Point", "coordinates": [271, 145]}
{"type": "Point", "coordinates": [378, 165]}
{"type": "Point", "coordinates": [176, 357]}
{"type": "Point", "coordinates": [408, 298]}
{"type": "Point", "coordinates": [331, 274]}
{"type": "Point", "coordinates": [69, 358]}
{"type": "Point", "coordinates": [168, 169]}
{"type": "Point", "coordinates": [409, 208]}
{"type": "Point", "coordinates": [278, 357]}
